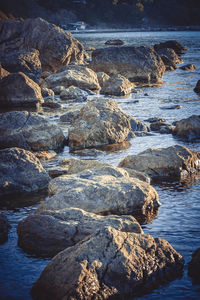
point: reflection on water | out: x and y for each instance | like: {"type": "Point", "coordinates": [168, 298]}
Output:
{"type": "Point", "coordinates": [178, 217]}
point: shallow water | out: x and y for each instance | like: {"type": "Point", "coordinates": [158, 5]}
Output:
{"type": "Point", "coordinates": [179, 216]}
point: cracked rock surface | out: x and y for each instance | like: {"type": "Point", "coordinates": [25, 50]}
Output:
{"type": "Point", "coordinates": [50, 232]}
{"type": "Point", "coordinates": [109, 263]}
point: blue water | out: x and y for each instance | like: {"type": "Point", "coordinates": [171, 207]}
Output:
{"type": "Point", "coordinates": [178, 218]}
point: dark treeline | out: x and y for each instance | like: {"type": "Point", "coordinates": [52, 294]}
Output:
{"type": "Point", "coordinates": [117, 13]}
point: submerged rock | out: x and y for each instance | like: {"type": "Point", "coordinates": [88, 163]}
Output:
{"type": "Point", "coordinates": [174, 162]}
{"type": "Point", "coordinates": [50, 232]}
{"type": "Point", "coordinates": [4, 228]}
{"type": "Point", "coordinates": [188, 128]}
{"type": "Point", "coordinates": [29, 131]}
{"type": "Point", "coordinates": [100, 122]}
{"type": "Point", "coordinates": [110, 263]}
{"type": "Point", "coordinates": [21, 172]}
{"type": "Point", "coordinates": [138, 64]}
{"type": "Point", "coordinates": [17, 89]}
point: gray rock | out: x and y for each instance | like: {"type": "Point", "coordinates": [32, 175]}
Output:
{"type": "Point", "coordinates": [197, 87]}
{"type": "Point", "coordinates": [114, 42]}
{"type": "Point", "coordinates": [155, 119]}
{"type": "Point", "coordinates": [47, 93]}
{"type": "Point", "coordinates": [50, 232]}
{"type": "Point", "coordinates": [194, 266]}
{"type": "Point", "coordinates": [172, 44]}
{"type": "Point", "coordinates": [174, 162]}
{"type": "Point", "coordinates": [137, 125]}
{"type": "Point", "coordinates": [169, 58]}
{"type": "Point", "coordinates": [138, 64]}
{"type": "Point", "coordinates": [70, 115]}
{"type": "Point", "coordinates": [29, 131]}
{"type": "Point", "coordinates": [162, 127]}
{"type": "Point", "coordinates": [188, 128]}
{"type": "Point", "coordinates": [117, 85]}
{"type": "Point", "coordinates": [21, 172]}
{"type": "Point", "coordinates": [73, 93]}
{"type": "Point", "coordinates": [4, 228]}
{"type": "Point", "coordinates": [109, 264]}
{"type": "Point", "coordinates": [17, 89]}
{"type": "Point", "coordinates": [102, 78]}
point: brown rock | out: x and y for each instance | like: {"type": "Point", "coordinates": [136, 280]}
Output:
{"type": "Point", "coordinates": [188, 128]}
{"type": "Point", "coordinates": [176, 46]}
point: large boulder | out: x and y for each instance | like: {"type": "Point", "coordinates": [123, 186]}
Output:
{"type": "Point", "coordinates": [174, 162]}
{"type": "Point", "coordinates": [26, 61]}
{"type": "Point", "coordinates": [117, 85]}
{"type": "Point", "coordinates": [109, 264]}
{"type": "Point", "coordinates": [79, 76]}
{"type": "Point", "coordinates": [138, 64]}
{"type": "Point", "coordinates": [50, 232]}
{"type": "Point", "coordinates": [29, 131]}
{"type": "Point", "coordinates": [57, 47]}
{"type": "Point", "coordinates": [100, 122]}
{"type": "Point", "coordinates": [4, 228]}
{"type": "Point", "coordinates": [103, 190]}
{"type": "Point", "coordinates": [172, 44]}
{"type": "Point", "coordinates": [188, 128]}
{"type": "Point", "coordinates": [21, 172]}
{"type": "Point", "coordinates": [17, 89]}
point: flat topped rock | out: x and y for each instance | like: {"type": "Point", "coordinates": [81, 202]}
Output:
{"type": "Point", "coordinates": [50, 232]}
{"type": "Point", "coordinates": [174, 162]}
{"type": "Point", "coordinates": [109, 263]}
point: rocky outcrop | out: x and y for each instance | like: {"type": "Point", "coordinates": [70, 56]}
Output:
{"type": "Point", "coordinates": [114, 42]}
{"type": "Point", "coordinates": [110, 263]}
{"type": "Point", "coordinates": [17, 89]}
{"type": "Point", "coordinates": [25, 61]}
{"type": "Point", "coordinates": [176, 46]}
{"type": "Point", "coordinates": [4, 228]}
{"type": "Point", "coordinates": [50, 232]}
{"type": "Point", "coordinates": [99, 122]}
{"type": "Point", "coordinates": [79, 76]}
{"type": "Point", "coordinates": [103, 190]}
{"type": "Point", "coordinates": [29, 131]}
{"type": "Point", "coordinates": [194, 266]}
{"type": "Point", "coordinates": [21, 172]}
{"type": "Point", "coordinates": [188, 128]}
{"type": "Point", "coordinates": [174, 162]}
{"type": "Point", "coordinates": [73, 93]}
{"type": "Point", "coordinates": [188, 67]}
{"type": "Point", "coordinates": [197, 87]}
{"type": "Point", "coordinates": [138, 64]}
{"type": "Point", "coordinates": [117, 85]}
{"type": "Point", "coordinates": [57, 47]}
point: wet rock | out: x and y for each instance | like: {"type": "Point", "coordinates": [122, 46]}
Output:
{"type": "Point", "coordinates": [110, 263]}
{"type": "Point", "coordinates": [194, 266]}
{"type": "Point", "coordinates": [70, 115]}
{"type": "Point", "coordinates": [57, 171]}
{"type": "Point", "coordinates": [4, 228]}
{"type": "Point", "coordinates": [45, 155]}
{"type": "Point", "coordinates": [3, 72]}
{"type": "Point", "coordinates": [58, 89]}
{"type": "Point", "coordinates": [25, 61]}
{"type": "Point", "coordinates": [174, 162]}
{"type": "Point", "coordinates": [162, 127]}
{"type": "Point", "coordinates": [138, 64]}
{"type": "Point", "coordinates": [143, 133]}
{"type": "Point", "coordinates": [169, 64]}
{"type": "Point", "coordinates": [57, 47]}
{"type": "Point", "coordinates": [87, 152]}
{"type": "Point", "coordinates": [176, 46]}
{"type": "Point", "coordinates": [117, 85]}
{"type": "Point", "coordinates": [155, 119]}
{"type": "Point", "coordinates": [100, 122]}
{"type": "Point", "coordinates": [118, 146]}
{"type": "Point", "coordinates": [47, 92]}
{"type": "Point", "coordinates": [172, 107]}
{"type": "Point", "coordinates": [188, 128]}
{"type": "Point", "coordinates": [188, 67]}
{"type": "Point", "coordinates": [29, 131]}
{"type": "Point", "coordinates": [137, 125]}
{"type": "Point", "coordinates": [21, 172]}
{"type": "Point", "coordinates": [114, 42]}
{"type": "Point", "coordinates": [169, 58]}
{"type": "Point", "coordinates": [79, 76]}
{"type": "Point", "coordinates": [17, 89]}
{"type": "Point", "coordinates": [103, 190]}
{"type": "Point", "coordinates": [197, 87]}
{"type": "Point", "coordinates": [50, 232]}
{"type": "Point", "coordinates": [102, 78]}
{"type": "Point", "coordinates": [139, 175]}
{"type": "Point", "coordinates": [50, 103]}
{"type": "Point", "coordinates": [73, 93]}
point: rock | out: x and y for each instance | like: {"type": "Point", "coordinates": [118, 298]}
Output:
{"type": "Point", "coordinates": [80, 76]}
{"type": "Point", "coordinates": [176, 46]}
{"type": "Point", "coordinates": [29, 131]}
{"type": "Point", "coordinates": [88, 152]}
{"type": "Point", "coordinates": [194, 266]}
{"type": "Point", "coordinates": [114, 42]}
{"type": "Point", "coordinates": [197, 87]}
{"type": "Point", "coordinates": [58, 89]}
{"type": "Point", "coordinates": [3, 72]}
{"type": "Point", "coordinates": [109, 264]}
{"type": "Point", "coordinates": [21, 172]}
{"type": "Point", "coordinates": [188, 67]}
{"type": "Point", "coordinates": [70, 115]}
{"type": "Point", "coordinates": [103, 190]}
{"type": "Point", "coordinates": [47, 93]}
{"type": "Point", "coordinates": [169, 64]}
{"type": "Point", "coordinates": [102, 78]}
{"type": "Point", "coordinates": [17, 89]}
{"type": "Point", "coordinates": [169, 58]}
{"type": "Point", "coordinates": [49, 102]}
{"type": "Point", "coordinates": [172, 107]}
{"type": "Point", "coordinates": [57, 47]}
{"type": "Point", "coordinates": [138, 64]}
{"type": "Point", "coordinates": [137, 125]}
{"type": "Point", "coordinates": [118, 146]}
{"type": "Point", "coordinates": [174, 162]}
{"type": "Point", "coordinates": [25, 61]}
{"type": "Point", "coordinates": [73, 93]}
{"type": "Point", "coordinates": [139, 175]}
{"type": "Point", "coordinates": [45, 155]}
{"type": "Point", "coordinates": [48, 233]}
{"type": "Point", "coordinates": [155, 119]}
{"type": "Point", "coordinates": [117, 85]}
{"type": "Point", "coordinates": [188, 128]}
{"type": "Point", "coordinates": [4, 228]}
{"type": "Point", "coordinates": [162, 127]}
{"type": "Point", "coordinates": [45, 74]}
{"type": "Point", "coordinates": [100, 122]}
{"type": "Point", "coordinates": [57, 171]}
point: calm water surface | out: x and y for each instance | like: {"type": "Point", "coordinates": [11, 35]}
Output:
{"type": "Point", "coordinates": [178, 218]}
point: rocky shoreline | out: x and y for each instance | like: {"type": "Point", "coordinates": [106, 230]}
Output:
{"type": "Point", "coordinates": [92, 208]}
